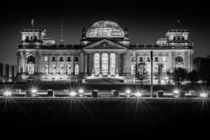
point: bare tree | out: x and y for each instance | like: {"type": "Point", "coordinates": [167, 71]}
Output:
{"type": "Point", "coordinates": [159, 72]}
{"type": "Point", "coordinates": [141, 72]}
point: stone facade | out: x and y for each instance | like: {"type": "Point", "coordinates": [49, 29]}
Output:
{"type": "Point", "coordinates": [105, 51]}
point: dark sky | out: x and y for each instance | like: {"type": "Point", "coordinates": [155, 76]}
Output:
{"type": "Point", "coordinates": [146, 21]}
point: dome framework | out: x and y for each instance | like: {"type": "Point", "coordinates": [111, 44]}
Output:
{"type": "Point", "coordinates": [105, 29]}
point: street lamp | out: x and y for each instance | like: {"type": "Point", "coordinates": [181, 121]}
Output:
{"type": "Point", "coordinates": [176, 93]}
{"type": "Point", "coordinates": [72, 93]}
{"type": "Point", "coordinates": [203, 95]}
{"type": "Point", "coordinates": [138, 94]}
{"type": "Point", "coordinates": [7, 93]}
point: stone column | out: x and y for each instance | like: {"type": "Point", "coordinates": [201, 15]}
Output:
{"type": "Point", "coordinates": [81, 63]}
{"type": "Point", "coordinates": [86, 64]}
{"type": "Point", "coordinates": [117, 60]}
{"type": "Point", "coordinates": [19, 62]}
{"type": "Point", "coordinates": [73, 64]}
{"type": "Point", "coordinates": [100, 55]}
{"type": "Point", "coordinates": [93, 66]}
{"type": "Point", "coordinates": [109, 64]}
{"type": "Point", "coordinates": [48, 63]}
{"type": "Point", "coordinates": [23, 62]}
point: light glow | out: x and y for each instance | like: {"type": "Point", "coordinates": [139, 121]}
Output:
{"type": "Point", "coordinates": [7, 93]}
{"type": "Point", "coordinates": [81, 90]}
{"type": "Point", "coordinates": [34, 90]}
{"type": "Point", "coordinates": [128, 91]}
{"type": "Point", "coordinates": [203, 95]}
{"type": "Point", "coordinates": [138, 94]}
{"type": "Point", "coordinates": [176, 91]}
{"type": "Point", "coordinates": [72, 93]}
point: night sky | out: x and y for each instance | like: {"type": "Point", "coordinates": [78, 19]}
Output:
{"type": "Point", "coordinates": [146, 21]}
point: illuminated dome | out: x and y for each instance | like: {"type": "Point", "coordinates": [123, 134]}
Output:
{"type": "Point", "coordinates": [105, 29]}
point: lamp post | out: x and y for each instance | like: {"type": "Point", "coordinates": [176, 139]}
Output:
{"type": "Point", "coordinates": [151, 73]}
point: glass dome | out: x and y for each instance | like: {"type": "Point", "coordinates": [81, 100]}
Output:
{"type": "Point", "coordinates": [105, 29]}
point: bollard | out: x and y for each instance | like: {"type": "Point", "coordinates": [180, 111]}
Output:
{"type": "Point", "coordinates": [116, 93]}
{"type": "Point", "coordinates": [50, 93]}
{"type": "Point", "coordinates": [160, 93]}
{"type": "Point", "coordinates": [182, 94]}
{"type": "Point", "coordinates": [95, 93]}
{"type": "Point", "coordinates": [28, 93]}
{"type": "Point", "coordinates": [18, 91]}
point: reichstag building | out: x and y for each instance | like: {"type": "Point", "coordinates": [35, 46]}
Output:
{"type": "Point", "coordinates": [104, 52]}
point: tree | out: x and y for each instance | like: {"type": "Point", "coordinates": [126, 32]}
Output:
{"type": "Point", "coordinates": [159, 73]}
{"type": "Point", "coordinates": [192, 76]}
{"type": "Point", "coordinates": [179, 75]}
{"type": "Point", "coordinates": [141, 72]}
{"type": "Point", "coordinates": [204, 68]}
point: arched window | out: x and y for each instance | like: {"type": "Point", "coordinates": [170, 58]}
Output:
{"type": "Point", "coordinates": [69, 69]}
{"type": "Point", "coordinates": [31, 59]}
{"type": "Point", "coordinates": [179, 59]}
{"type": "Point", "coordinates": [133, 69]}
{"type": "Point", "coordinates": [30, 69]}
{"type": "Point", "coordinates": [76, 69]}
{"type": "Point", "coordinates": [54, 69]}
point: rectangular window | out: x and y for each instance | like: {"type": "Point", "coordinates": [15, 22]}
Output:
{"type": "Point", "coordinates": [69, 59]}
{"type": "Point", "coordinates": [53, 58]}
{"type": "Point", "coordinates": [61, 58]}
{"type": "Point", "coordinates": [164, 59]}
{"type": "Point", "coordinates": [76, 59]}
{"type": "Point", "coordinates": [45, 58]}
{"type": "Point", "coordinates": [133, 59]}
{"type": "Point", "coordinates": [140, 59]}
{"type": "Point", "coordinates": [156, 59]}
{"type": "Point", "coordinates": [148, 59]}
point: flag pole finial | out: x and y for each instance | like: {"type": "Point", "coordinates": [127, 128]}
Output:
{"type": "Point", "coordinates": [32, 23]}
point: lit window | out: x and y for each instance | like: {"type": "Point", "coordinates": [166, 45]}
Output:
{"type": "Point", "coordinates": [31, 69]}
{"type": "Point", "coordinates": [61, 69]}
{"type": "Point", "coordinates": [69, 69]}
{"type": "Point", "coordinates": [45, 58]}
{"type": "Point", "coordinates": [133, 69]}
{"type": "Point", "coordinates": [54, 69]}
{"type": "Point", "coordinates": [164, 59]}
{"type": "Point", "coordinates": [112, 65]}
{"type": "Point", "coordinates": [76, 69]}
{"type": "Point", "coordinates": [97, 63]}
{"type": "Point", "coordinates": [46, 69]}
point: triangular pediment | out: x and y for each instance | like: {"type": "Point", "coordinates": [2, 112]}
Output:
{"type": "Point", "coordinates": [105, 44]}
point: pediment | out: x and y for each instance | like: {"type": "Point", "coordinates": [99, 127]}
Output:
{"type": "Point", "coordinates": [105, 44]}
